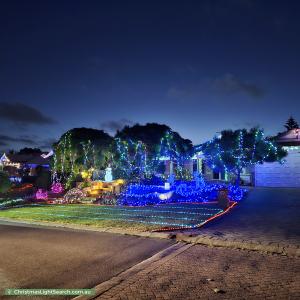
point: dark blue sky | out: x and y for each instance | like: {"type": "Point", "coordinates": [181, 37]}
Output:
{"type": "Point", "coordinates": [198, 66]}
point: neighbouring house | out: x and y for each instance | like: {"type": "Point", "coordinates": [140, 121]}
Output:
{"type": "Point", "coordinates": [19, 166]}
{"type": "Point", "coordinates": [286, 174]}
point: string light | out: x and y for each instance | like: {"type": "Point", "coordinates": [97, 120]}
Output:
{"type": "Point", "coordinates": [74, 195]}
{"type": "Point", "coordinates": [146, 216]}
{"type": "Point", "coordinates": [141, 215]}
{"type": "Point", "coordinates": [57, 188]}
{"type": "Point", "coordinates": [13, 202]}
{"type": "Point", "coordinates": [250, 148]}
{"type": "Point", "coordinates": [141, 195]}
{"type": "Point", "coordinates": [158, 209]}
{"type": "Point", "coordinates": [41, 194]}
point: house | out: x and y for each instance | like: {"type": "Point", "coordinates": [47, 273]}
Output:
{"type": "Point", "coordinates": [286, 174]}
{"type": "Point", "coordinates": [21, 165]}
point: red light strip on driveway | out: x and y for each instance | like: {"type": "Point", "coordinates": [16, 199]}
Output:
{"type": "Point", "coordinates": [233, 203]}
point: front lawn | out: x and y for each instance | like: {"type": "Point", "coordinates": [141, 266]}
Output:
{"type": "Point", "coordinates": [132, 218]}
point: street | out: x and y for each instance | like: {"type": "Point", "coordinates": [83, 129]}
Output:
{"type": "Point", "coordinates": [41, 257]}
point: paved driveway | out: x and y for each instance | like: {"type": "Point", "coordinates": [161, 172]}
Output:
{"type": "Point", "coordinates": [41, 257]}
{"type": "Point", "coordinates": [267, 215]}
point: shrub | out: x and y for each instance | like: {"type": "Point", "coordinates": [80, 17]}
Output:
{"type": "Point", "coordinates": [43, 180]}
{"type": "Point", "coordinates": [5, 183]}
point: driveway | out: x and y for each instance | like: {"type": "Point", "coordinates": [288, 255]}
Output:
{"type": "Point", "coordinates": [267, 215]}
{"type": "Point", "coordinates": [41, 257]}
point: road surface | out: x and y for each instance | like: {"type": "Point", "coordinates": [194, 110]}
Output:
{"type": "Point", "coordinates": [44, 257]}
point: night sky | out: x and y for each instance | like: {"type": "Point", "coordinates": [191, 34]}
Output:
{"type": "Point", "coordinates": [197, 66]}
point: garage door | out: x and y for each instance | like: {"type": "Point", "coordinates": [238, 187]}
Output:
{"type": "Point", "coordinates": [280, 175]}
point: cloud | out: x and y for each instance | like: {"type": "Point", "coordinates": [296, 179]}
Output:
{"type": "Point", "coordinates": [27, 141]}
{"type": "Point", "coordinates": [248, 124]}
{"type": "Point", "coordinates": [175, 92]}
{"type": "Point", "coordinates": [231, 84]}
{"type": "Point", "coordinates": [23, 114]}
{"type": "Point", "coordinates": [227, 84]}
{"type": "Point", "coordinates": [251, 124]}
{"type": "Point", "coordinates": [184, 69]}
{"type": "Point", "coordinates": [5, 139]}
{"type": "Point", "coordinates": [47, 144]}
{"type": "Point", "coordinates": [113, 126]}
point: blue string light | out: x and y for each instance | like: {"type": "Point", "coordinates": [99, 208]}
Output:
{"type": "Point", "coordinates": [141, 195]}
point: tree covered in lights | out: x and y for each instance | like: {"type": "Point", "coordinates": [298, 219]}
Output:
{"type": "Point", "coordinates": [235, 150]}
{"type": "Point", "coordinates": [150, 134]}
{"type": "Point", "coordinates": [80, 149]}
{"type": "Point", "coordinates": [176, 150]}
{"type": "Point", "coordinates": [291, 123]}
{"type": "Point", "coordinates": [131, 160]}
{"type": "Point", "coordinates": [160, 143]}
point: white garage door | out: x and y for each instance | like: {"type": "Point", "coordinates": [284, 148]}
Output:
{"type": "Point", "coordinates": [277, 175]}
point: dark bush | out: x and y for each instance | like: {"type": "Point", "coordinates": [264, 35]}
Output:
{"type": "Point", "coordinates": [5, 183]}
{"type": "Point", "coordinates": [43, 179]}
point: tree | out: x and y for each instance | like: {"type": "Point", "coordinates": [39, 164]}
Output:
{"type": "Point", "coordinates": [235, 150]}
{"type": "Point", "coordinates": [30, 151]}
{"type": "Point", "coordinates": [131, 160]}
{"type": "Point", "coordinates": [158, 139]}
{"type": "Point", "coordinates": [43, 180]}
{"type": "Point", "coordinates": [5, 183]}
{"type": "Point", "coordinates": [150, 134]}
{"type": "Point", "coordinates": [291, 123]}
{"type": "Point", "coordinates": [80, 149]}
{"type": "Point", "coordinates": [175, 149]}
{"type": "Point", "coordinates": [174, 146]}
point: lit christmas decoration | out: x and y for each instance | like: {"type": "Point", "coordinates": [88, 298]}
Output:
{"type": "Point", "coordinates": [14, 202]}
{"type": "Point", "coordinates": [181, 192]}
{"type": "Point", "coordinates": [74, 195]}
{"type": "Point", "coordinates": [57, 188]}
{"type": "Point", "coordinates": [133, 161]}
{"type": "Point", "coordinates": [236, 150]}
{"type": "Point", "coordinates": [108, 175]}
{"type": "Point", "coordinates": [87, 174]}
{"type": "Point", "coordinates": [168, 217]}
{"type": "Point", "coordinates": [41, 194]}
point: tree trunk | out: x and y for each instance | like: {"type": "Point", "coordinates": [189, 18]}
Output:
{"type": "Point", "coordinates": [238, 178]}
{"type": "Point", "coordinates": [171, 167]}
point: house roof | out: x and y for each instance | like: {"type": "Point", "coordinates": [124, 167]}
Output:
{"type": "Point", "coordinates": [289, 138]}
{"type": "Point", "coordinates": [36, 159]}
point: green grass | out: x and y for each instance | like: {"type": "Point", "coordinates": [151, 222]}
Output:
{"type": "Point", "coordinates": [129, 218]}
